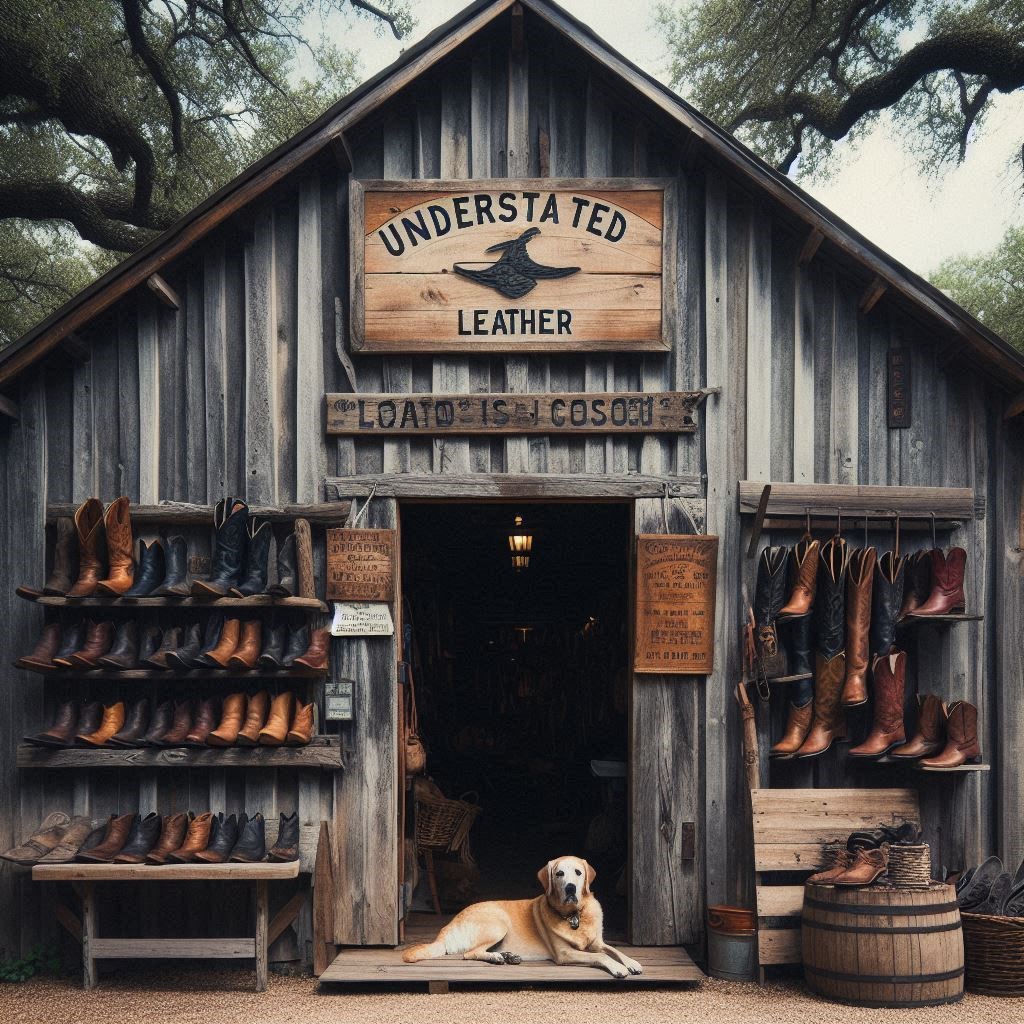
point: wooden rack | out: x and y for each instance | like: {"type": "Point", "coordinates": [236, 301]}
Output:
{"type": "Point", "coordinates": [258, 601]}
{"type": "Point", "coordinates": [226, 675]}
{"type": "Point", "coordinates": [178, 513]}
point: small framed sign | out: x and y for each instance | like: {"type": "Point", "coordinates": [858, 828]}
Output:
{"type": "Point", "coordinates": [361, 565]}
{"type": "Point", "coordinates": [338, 703]}
{"type": "Point", "coordinates": [899, 388]}
{"type": "Point", "coordinates": [362, 618]}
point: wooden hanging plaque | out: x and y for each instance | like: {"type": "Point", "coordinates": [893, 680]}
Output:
{"type": "Point", "coordinates": [360, 565]}
{"type": "Point", "coordinates": [675, 604]}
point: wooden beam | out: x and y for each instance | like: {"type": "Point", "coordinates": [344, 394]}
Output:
{"type": "Point", "coordinates": [68, 920]}
{"type": "Point", "coordinates": [182, 513]}
{"type": "Point", "coordinates": [324, 895]}
{"type": "Point", "coordinates": [163, 291]}
{"type": "Point", "coordinates": [342, 152]}
{"type": "Point", "coordinates": [872, 294]}
{"type": "Point", "coordinates": [163, 872]}
{"type": "Point", "coordinates": [518, 34]}
{"type": "Point", "coordinates": [285, 916]}
{"type": "Point", "coordinates": [9, 408]}
{"type": "Point", "coordinates": [811, 246]}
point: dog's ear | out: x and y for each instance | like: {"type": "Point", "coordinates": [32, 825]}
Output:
{"type": "Point", "coordinates": [591, 875]}
{"type": "Point", "coordinates": [544, 877]}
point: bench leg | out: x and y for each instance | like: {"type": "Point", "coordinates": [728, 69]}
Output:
{"type": "Point", "coordinates": [262, 924]}
{"type": "Point", "coordinates": [88, 894]}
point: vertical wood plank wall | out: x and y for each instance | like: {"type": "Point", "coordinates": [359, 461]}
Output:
{"type": "Point", "coordinates": [224, 396]}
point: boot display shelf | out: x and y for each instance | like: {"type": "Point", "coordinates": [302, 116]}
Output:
{"type": "Point", "coordinates": [259, 601]}
{"type": "Point", "coordinates": [223, 675]}
{"type": "Point", "coordinates": [936, 620]}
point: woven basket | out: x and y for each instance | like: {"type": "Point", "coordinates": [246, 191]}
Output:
{"type": "Point", "coordinates": [443, 824]}
{"type": "Point", "coordinates": [994, 951]}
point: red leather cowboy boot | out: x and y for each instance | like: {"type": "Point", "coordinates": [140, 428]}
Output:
{"type": "Point", "coordinates": [947, 596]}
{"type": "Point", "coordinates": [887, 729]}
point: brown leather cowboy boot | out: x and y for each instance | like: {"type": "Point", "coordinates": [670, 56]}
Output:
{"type": "Point", "coordinates": [232, 717]}
{"type": "Point", "coordinates": [89, 526]}
{"type": "Point", "coordinates": [172, 834]}
{"type": "Point", "coordinates": [860, 576]}
{"type": "Point", "coordinates": [248, 649]}
{"type": "Point", "coordinates": [867, 867]}
{"type": "Point", "coordinates": [961, 738]}
{"type": "Point", "coordinates": [72, 840]}
{"type": "Point", "coordinates": [99, 636]}
{"type": "Point", "coordinates": [917, 582]}
{"type": "Point", "coordinates": [170, 641]}
{"type": "Point", "coordinates": [196, 838]}
{"type": "Point", "coordinates": [220, 655]}
{"type": "Point", "coordinates": [931, 718]}
{"type": "Point", "coordinates": [255, 716]}
{"type": "Point", "coordinates": [41, 657]}
{"type": "Point", "coordinates": [301, 731]}
{"type": "Point", "coordinates": [274, 733]}
{"type": "Point", "coordinates": [62, 732]}
{"type": "Point", "coordinates": [947, 596]}
{"type": "Point", "coordinates": [181, 726]}
{"type": "Point", "coordinates": [317, 652]}
{"type": "Point", "coordinates": [829, 720]}
{"type": "Point", "coordinates": [204, 723]}
{"type": "Point", "coordinates": [797, 727]}
{"type": "Point", "coordinates": [113, 721]}
{"type": "Point", "coordinates": [117, 522]}
{"type": "Point", "coordinates": [113, 841]}
{"type": "Point", "coordinates": [805, 562]}
{"type": "Point", "coordinates": [45, 838]}
{"type": "Point", "coordinates": [61, 578]}
{"type": "Point", "coordinates": [889, 672]}
{"type": "Point", "coordinates": [839, 860]}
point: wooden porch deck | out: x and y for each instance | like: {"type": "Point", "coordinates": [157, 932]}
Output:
{"type": "Point", "coordinates": [663, 965]}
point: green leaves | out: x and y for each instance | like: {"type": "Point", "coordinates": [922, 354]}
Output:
{"type": "Point", "coordinates": [40, 960]}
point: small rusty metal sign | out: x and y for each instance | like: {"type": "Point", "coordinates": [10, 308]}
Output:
{"type": "Point", "coordinates": [360, 565]}
{"type": "Point", "coordinates": [675, 604]}
{"type": "Point", "coordinates": [898, 403]}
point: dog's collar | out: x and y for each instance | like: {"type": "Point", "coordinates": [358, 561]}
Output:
{"type": "Point", "coordinates": [574, 920]}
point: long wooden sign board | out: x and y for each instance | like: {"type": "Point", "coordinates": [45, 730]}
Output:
{"type": "Point", "coordinates": [545, 265]}
{"type": "Point", "coordinates": [649, 412]}
{"type": "Point", "coordinates": [676, 577]}
{"type": "Point", "coordinates": [360, 565]}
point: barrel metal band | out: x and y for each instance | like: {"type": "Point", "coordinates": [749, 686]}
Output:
{"type": "Point", "coordinates": [865, 908]}
{"type": "Point", "coordinates": [953, 926]}
{"type": "Point", "coordinates": [883, 979]}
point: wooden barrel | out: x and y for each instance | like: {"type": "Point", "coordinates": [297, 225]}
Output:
{"type": "Point", "coordinates": [883, 947]}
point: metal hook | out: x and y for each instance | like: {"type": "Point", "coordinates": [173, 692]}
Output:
{"type": "Point", "coordinates": [807, 521]}
{"type": "Point", "coordinates": [865, 529]}
{"type": "Point", "coordinates": [934, 541]}
{"type": "Point", "coordinates": [839, 522]}
{"type": "Point", "coordinates": [896, 546]}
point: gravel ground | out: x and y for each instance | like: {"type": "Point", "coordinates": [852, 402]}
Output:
{"type": "Point", "coordinates": [206, 996]}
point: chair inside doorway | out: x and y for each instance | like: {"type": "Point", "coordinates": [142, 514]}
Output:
{"type": "Point", "coordinates": [517, 634]}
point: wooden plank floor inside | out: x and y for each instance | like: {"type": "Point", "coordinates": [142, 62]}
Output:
{"type": "Point", "coordinates": [663, 965]}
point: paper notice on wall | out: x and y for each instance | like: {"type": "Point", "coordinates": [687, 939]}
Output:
{"type": "Point", "coordinates": [361, 618]}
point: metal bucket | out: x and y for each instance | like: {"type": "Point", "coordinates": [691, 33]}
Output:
{"type": "Point", "coordinates": [732, 943]}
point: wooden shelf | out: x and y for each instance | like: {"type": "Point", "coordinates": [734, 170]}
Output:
{"type": "Point", "coordinates": [179, 513]}
{"type": "Point", "coordinates": [910, 765]}
{"type": "Point", "coordinates": [162, 872]}
{"type": "Point", "coordinates": [322, 752]}
{"type": "Point", "coordinates": [239, 603]}
{"type": "Point", "coordinates": [789, 499]}
{"type": "Point", "coordinates": [936, 620]}
{"type": "Point", "coordinates": [960, 768]}
{"type": "Point", "coordinates": [790, 679]}
{"type": "Point", "coordinates": [225, 675]}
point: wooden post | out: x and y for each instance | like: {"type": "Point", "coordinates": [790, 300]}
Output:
{"type": "Point", "coordinates": [262, 925]}
{"type": "Point", "coordinates": [324, 949]}
{"type": "Point", "coordinates": [304, 558]}
{"type": "Point", "coordinates": [88, 895]}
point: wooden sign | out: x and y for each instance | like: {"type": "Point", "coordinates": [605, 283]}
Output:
{"type": "Point", "coordinates": [675, 604]}
{"type": "Point", "coordinates": [899, 388]}
{"type": "Point", "coordinates": [360, 565]}
{"type": "Point", "coordinates": [546, 265]}
{"type": "Point", "coordinates": [670, 412]}
{"type": "Point", "coordinates": [339, 703]}
{"type": "Point", "coordinates": [362, 618]}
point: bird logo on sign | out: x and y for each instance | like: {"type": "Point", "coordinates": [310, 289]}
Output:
{"type": "Point", "coordinates": [515, 273]}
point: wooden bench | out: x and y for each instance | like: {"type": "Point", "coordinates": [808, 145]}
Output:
{"type": "Point", "coordinates": [791, 829]}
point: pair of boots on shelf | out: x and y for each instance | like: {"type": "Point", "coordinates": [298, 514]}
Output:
{"type": "Point", "coordinates": [988, 889]}
{"type": "Point", "coordinates": [240, 720]}
{"type": "Point", "coordinates": [57, 840]}
{"type": "Point", "coordinates": [935, 584]}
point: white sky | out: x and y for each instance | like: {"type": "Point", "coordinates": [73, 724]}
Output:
{"type": "Point", "coordinates": [879, 188]}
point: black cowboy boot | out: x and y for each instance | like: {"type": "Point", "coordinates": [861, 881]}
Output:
{"type": "Point", "coordinates": [150, 572]}
{"type": "Point", "coordinates": [298, 643]}
{"type": "Point", "coordinates": [149, 643]}
{"type": "Point", "coordinates": [141, 839]}
{"type": "Point", "coordinates": [230, 519]}
{"type": "Point", "coordinates": [175, 582]}
{"type": "Point", "coordinates": [169, 641]}
{"type": "Point", "coordinates": [886, 600]}
{"type": "Point", "coordinates": [287, 584]}
{"type": "Point", "coordinates": [287, 845]}
{"type": "Point", "coordinates": [770, 597]}
{"type": "Point", "coordinates": [272, 655]}
{"type": "Point", "coordinates": [158, 724]}
{"type": "Point", "coordinates": [124, 652]}
{"type": "Point", "coordinates": [71, 640]}
{"type": "Point", "coordinates": [184, 657]}
{"type": "Point", "coordinates": [257, 554]}
{"type": "Point", "coordinates": [251, 847]}
{"type": "Point", "coordinates": [136, 723]}
{"type": "Point", "coordinates": [223, 837]}
{"type": "Point", "coordinates": [830, 598]}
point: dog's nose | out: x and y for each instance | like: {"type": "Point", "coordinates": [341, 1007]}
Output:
{"type": "Point", "coordinates": [570, 888]}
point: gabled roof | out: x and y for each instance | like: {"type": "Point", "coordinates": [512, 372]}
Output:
{"type": "Point", "coordinates": [986, 347]}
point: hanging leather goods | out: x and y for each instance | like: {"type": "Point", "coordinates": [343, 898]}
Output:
{"type": "Point", "coordinates": [415, 751]}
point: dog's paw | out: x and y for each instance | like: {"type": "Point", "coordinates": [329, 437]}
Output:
{"type": "Point", "coordinates": [511, 958]}
{"type": "Point", "coordinates": [633, 966]}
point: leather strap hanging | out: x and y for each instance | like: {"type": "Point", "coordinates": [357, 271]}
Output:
{"type": "Point", "coordinates": [415, 752]}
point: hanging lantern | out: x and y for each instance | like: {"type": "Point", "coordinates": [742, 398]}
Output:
{"type": "Point", "coordinates": [520, 543]}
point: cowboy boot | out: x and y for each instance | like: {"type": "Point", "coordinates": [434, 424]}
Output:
{"type": "Point", "coordinates": [232, 717]}
{"type": "Point", "coordinates": [149, 642]}
{"type": "Point", "coordinates": [248, 649]}
{"type": "Point", "coordinates": [61, 578]}
{"type": "Point", "coordinates": [73, 839]}
{"type": "Point", "coordinates": [223, 836]}
{"type": "Point", "coordinates": [805, 579]}
{"type": "Point", "coordinates": [98, 638]}
{"type": "Point", "coordinates": [124, 652]}
{"type": "Point", "coordinates": [298, 644]}
{"type": "Point", "coordinates": [301, 731]}
{"type": "Point", "coordinates": [257, 554]}
{"type": "Point", "coordinates": [175, 582]}
{"type": "Point", "coordinates": [113, 720]}
{"type": "Point", "coordinates": [196, 839]}
{"type": "Point", "coordinates": [227, 644]}
{"type": "Point", "coordinates": [867, 867]}
{"type": "Point", "coordinates": [251, 847]}
{"type": "Point", "coordinates": [917, 582]}
{"type": "Point", "coordinates": [186, 655]}
{"type": "Point", "coordinates": [71, 639]}
{"type": "Point", "coordinates": [113, 840]}
{"type": "Point", "coordinates": [151, 571]}
{"type": "Point", "coordinates": [273, 647]}
{"type": "Point", "coordinates": [886, 601]}
{"type": "Point", "coordinates": [204, 723]}
{"type": "Point", "coordinates": [181, 726]}
{"type": "Point", "coordinates": [89, 527]}
{"type": "Point", "coordinates": [170, 641]}
{"type": "Point", "coordinates": [315, 657]}
{"type": "Point", "coordinates": [961, 738]}
{"type": "Point", "coordinates": [135, 725]}
{"type": "Point", "coordinates": [947, 596]}
{"type": "Point", "coordinates": [117, 522]}
{"type": "Point", "coordinates": [172, 835]}
{"type": "Point", "coordinates": [255, 716]}
{"type": "Point", "coordinates": [63, 730]}
{"type": "Point", "coordinates": [798, 725]}
{"type": "Point", "coordinates": [287, 584]}
{"type": "Point", "coordinates": [770, 597]}
{"type": "Point", "coordinates": [230, 519]}
{"type": "Point", "coordinates": [45, 838]}
{"type": "Point", "coordinates": [141, 839]}
{"type": "Point", "coordinates": [275, 732]}
{"type": "Point", "coordinates": [159, 724]}
{"type": "Point", "coordinates": [828, 722]}
{"type": "Point", "coordinates": [840, 860]}
{"type": "Point", "coordinates": [829, 603]}
{"type": "Point", "coordinates": [928, 740]}
{"type": "Point", "coordinates": [889, 675]}
{"type": "Point", "coordinates": [286, 846]}
{"type": "Point", "coordinates": [40, 659]}
{"type": "Point", "coordinates": [860, 576]}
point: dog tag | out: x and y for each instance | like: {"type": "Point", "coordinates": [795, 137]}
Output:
{"type": "Point", "coordinates": [574, 921]}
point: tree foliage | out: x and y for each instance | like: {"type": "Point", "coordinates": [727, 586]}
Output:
{"type": "Point", "coordinates": [119, 116]}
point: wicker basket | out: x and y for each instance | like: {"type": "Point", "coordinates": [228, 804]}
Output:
{"type": "Point", "coordinates": [443, 824]}
{"type": "Point", "coordinates": [994, 951]}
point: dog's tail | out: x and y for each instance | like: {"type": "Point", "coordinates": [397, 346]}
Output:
{"type": "Point", "coordinates": [425, 951]}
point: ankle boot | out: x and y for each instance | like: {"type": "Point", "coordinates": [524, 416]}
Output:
{"type": "Point", "coordinates": [287, 584]}
{"type": "Point", "coordinates": [230, 519]}
{"type": "Point", "coordinates": [117, 522]}
{"type": "Point", "coordinates": [805, 579]}
{"type": "Point", "coordinates": [867, 867]}
{"type": "Point", "coordinates": [45, 839]}
{"type": "Point", "coordinates": [135, 725]}
{"type": "Point", "coordinates": [961, 738]}
{"type": "Point", "coordinates": [186, 655]}
{"type": "Point", "coordinates": [839, 861]}
{"type": "Point", "coordinates": [889, 675]}
{"type": "Point", "coordinates": [227, 644]}
{"type": "Point", "coordinates": [798, 725]}
{"type": "Point", "coordinates": [172, 834]}
{"type": "Point", "coordinates": [251, 847]}
{"type": "Point", "coordinates": [257, 554]}
{"type": "Point", "coordinates": [72, 638]}
{"type": "Point", "coordinates": [255, 716]}
{"type": "Point", "coordinates": [232, 717]}
{"type": "Point", "coordinates": [62, 576]}
{"type": "Point", "coordinates": [315, 657]}
{"type": "Point", "coordinates": [149, 641]}
{"type": "Point", "coordinates": [181, 726]}
{"type": "Point", "coordinates": [828, 722]}
{"type": "Point", "coordinates": [286, 846]}
{"type": "Point", "coordinates": [928, 740]}
{"type": "Point", "coordinates": [113, 840]}
{"type": "Point", "coordinates": [175, 582]}
{"type": "Point", "coordinates": [204, 723]}
{"type": "Point", "coordinates": [89, 528]}
{"type": "Point", "coordinates": [770, 597]}
{"type": "Point", "coordinates": [886, 601]}
{"type": "Point", "coordinates": [141, 839]}
{"type": "Point", "coordinates": [159, 724]}
{"type": "Point", "coordinates": [98, 638]}
{"type": "Point", "coordinates": [72, 840]}
{"type": "Point", "coordinates": [273, 647]}
{"type": "Point", "coordinates": [170, 641]}
{"type": "Point", "coordinates": [274, 733]}
{"type": "Point", "coordinates": [917, 582]}
{"type": "Point", "coordinates": [113, 720]}
{"type": "Point", "coordinates": [298, 644]}
{"type": "Point", "coordinates": [947, 596]}
{"type": "Point", "coordinates": [40, 659]}
{"type": "Point", "coordinates": [223, 836]}
{"type": "Point", "coordinates": [248, 649]}
{"type": "Point", "coordinates": [829, 601]}
{"type": "Point", "coordinates": [860, 578]}
{"type": "Point", "coordinates": [196, 839]}
{"type": "Point", "coordinates": [62, 732]}
{"type": "Point", "coordinates": [301, 731]}
{"type": "Point", "coordinates": [151, 572]}
{"type": "Point", "coordinates": [124, 652]}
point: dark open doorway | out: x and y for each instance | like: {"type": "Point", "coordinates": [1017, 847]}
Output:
{"type": "Point", "coordinates": [521, 676]}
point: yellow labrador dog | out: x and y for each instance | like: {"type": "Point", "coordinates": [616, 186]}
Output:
{"type": "Point", "coordinates": [565, 924]}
